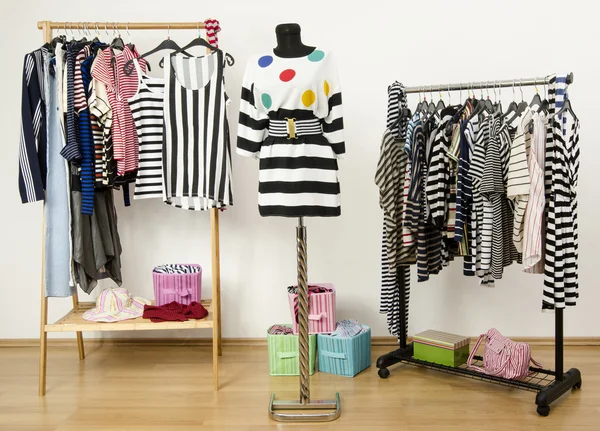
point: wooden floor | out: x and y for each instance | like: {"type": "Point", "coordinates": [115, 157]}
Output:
{"type": "Point", "coordinates": [147, 388]}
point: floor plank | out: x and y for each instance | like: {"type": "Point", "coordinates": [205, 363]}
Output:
{"type": "Point", "coordinates": [148, 388]}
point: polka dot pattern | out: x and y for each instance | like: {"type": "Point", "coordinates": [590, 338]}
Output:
{"type": "Point", "coordinates": [316, 55]}
{"type": "Point", "coordinates": [265, 61]}
{"type": "Point", "coordinates": [326, 88]}
{"type": "Point", "coordinates": [287, 75]}
{"type": "Point", "coordinates": [308, 98]}
{"type": "Point", "coordinates": [266, 100]}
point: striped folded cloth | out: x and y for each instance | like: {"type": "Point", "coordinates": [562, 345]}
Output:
{"type": "Point", "coordinates": [177, 268]}
{"type": "Point", "coordinates": [347, 328]}
{"type": "Point", "coordinates": [280, 330]}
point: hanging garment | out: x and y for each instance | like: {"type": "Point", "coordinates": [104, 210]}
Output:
{"type": "Point", "coordinates": [108, 69]}
{"type": "Point", "coordinates": [291, 119]}
{"type": "Point", "coordinates": [147, 107]}
{"type": "Point", "coordinates": [561, 267]}
{"type": "Point", "coordinates": [71, 151]}
{"type": "Point", "coordinates": [197, 154]}
{"type": "Point", "coordinates": [57, 243]}
{"type": "Point", "coordinates": [33, 142]}
{"type": "Point", "coordinates": [534, 229]}
{"type": "Point", "coordinates": [518, 175]}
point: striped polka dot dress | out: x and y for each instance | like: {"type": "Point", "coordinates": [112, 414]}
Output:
{"type": "Point", "coordinates": [147, 110]}
{"type": "Point", "coordinates": [291, 119]}
{"type": "Point", "coordinates": [196, 157]}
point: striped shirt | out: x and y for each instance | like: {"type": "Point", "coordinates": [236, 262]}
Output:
{"type": "Point", "coordinates": [197, 156]}
{"type": "Point", "coordinates": [108, 69]}
{"type": "Point", "coordinates": [147, 107]}
{"type": "Point", "coordinates": [518, 175]}
{"type": "Point", "coordinates": [33, 140]}
{"type": "Point", "coordinates": [71, 150]}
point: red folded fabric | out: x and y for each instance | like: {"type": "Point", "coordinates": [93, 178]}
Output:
{"type": "Point", "coordinates": [174, 312]}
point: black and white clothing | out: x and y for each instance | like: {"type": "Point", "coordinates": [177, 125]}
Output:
{"type": "Point", "coordinates": [291, 119]}
{"type": "Point", "coordinates": [196, 156]}
{"type": "Point", "coordinates": [147, 110]}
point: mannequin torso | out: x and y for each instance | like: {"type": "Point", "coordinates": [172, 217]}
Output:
{"type": "Point", "coordinates": [289, 43]}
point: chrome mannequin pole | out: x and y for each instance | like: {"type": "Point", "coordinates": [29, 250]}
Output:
{"type": "Point", "coordinates": [303, 311]}
{"type": "Point", "coordinates": [304, 402]}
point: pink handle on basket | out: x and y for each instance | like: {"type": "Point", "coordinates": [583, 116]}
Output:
{"type": "Point", "coordinates": [317, 316]}
{"type": "Point", "coordinates": [470, 361]}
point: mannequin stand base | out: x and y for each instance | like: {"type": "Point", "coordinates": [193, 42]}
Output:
{"type": "Point", "coordinates": [334, 405]}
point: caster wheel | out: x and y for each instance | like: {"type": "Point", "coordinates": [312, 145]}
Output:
{"type": "Point", "coordinates": [543, 410]}
{"type": "Point", "coordinates": [577, 385]}
{"type": "Point", "coordinates": [383, 373]}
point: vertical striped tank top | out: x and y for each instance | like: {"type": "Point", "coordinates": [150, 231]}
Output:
{"type": "Point", "coordinates": [147, 110]}
{"type": "Point", "coordinates": [196, 153]}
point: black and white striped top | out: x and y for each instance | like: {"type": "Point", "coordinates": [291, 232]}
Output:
{"type": "Point", "coordinates": [197, 154]}
{"type": "Point", "coordinates": [147, 109]}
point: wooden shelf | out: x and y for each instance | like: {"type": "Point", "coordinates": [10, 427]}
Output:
{"type": "Point", "coordinates": [74, 322]}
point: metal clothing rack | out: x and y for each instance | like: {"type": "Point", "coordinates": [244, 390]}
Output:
{"type": "Point", "coordinates": [73, 321]}
{"type": "Point", "coordinates": [549, 385]}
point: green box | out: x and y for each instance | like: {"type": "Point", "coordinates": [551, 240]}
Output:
{"type": "Point", "coordinates": [440, 355]}
{"type": "Point", "coordinates": [284, 354]}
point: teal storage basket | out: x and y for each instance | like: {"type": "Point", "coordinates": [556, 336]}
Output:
{"type": "Point", "coordinates": [284, 354]}
{"type": "Point", "coordinates": [345, 356]}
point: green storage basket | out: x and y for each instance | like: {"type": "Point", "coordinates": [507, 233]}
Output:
{"type": "Point", "coordinates": [284, 353]}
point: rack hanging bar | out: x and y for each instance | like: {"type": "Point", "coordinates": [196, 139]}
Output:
{"type": "Point", "coordinates": [122, 25]}
{"type": "Point", "coordinates": [517, 82]}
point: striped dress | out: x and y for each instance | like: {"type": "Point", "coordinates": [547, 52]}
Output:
{"type": "Point", "coordinates": [196, 157]}
{"type": "Point", "coordinates": [561, 282]}
{"type": "Point", "coordinates": [291, 119]}
{"type": "Point", "coordinates": [147, 108]}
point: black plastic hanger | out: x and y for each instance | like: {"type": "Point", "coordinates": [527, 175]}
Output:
{"type": "Point", "coordinates": [566, 107]}
{"type": "Point", "coordinates": [167, 44]}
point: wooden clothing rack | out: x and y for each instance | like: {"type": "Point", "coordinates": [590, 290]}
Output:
{"type": "Point", "coordinates": [73, 321]}
{"type": "Point", "coordinates": [548, 384]}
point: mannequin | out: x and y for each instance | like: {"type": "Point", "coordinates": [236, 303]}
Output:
{"type": "Point", "coordinates": [289, 43]}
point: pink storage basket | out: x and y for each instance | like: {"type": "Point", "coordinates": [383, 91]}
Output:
{"type": "Point", "coordinates": [321, 310]}
{"type": "Point", "coordinates": [175, 286]}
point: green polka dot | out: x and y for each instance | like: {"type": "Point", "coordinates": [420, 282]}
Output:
{"type": "Point", "coordinates": [316, 55]}
{"type": "Point", "coordinates": [266, 100]}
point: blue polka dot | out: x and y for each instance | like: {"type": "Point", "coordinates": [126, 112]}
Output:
{"type": "Point", "coordinates": [266, 100]}
{"type": "Point", "coordinates": [316, 55]}
{"type": "Point", "coordinates": [265, 60]}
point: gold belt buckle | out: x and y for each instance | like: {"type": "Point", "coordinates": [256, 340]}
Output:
{"type": "Point", "coordinates": [291, 125]}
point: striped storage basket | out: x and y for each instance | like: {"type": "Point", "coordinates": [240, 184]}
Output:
{"type": "Point", "coordinates": [284, 354]}
{"type": "Point", "coordinates": [321, 310]}
{"type": "Point", "coordinates": [177, 282]}
{"type": "Point", "coordinates": [345, 356]}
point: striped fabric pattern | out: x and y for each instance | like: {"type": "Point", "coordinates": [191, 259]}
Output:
{"type": "Point", "coordinates": [438, 175]}
{"type": "Point", "coordinates": [32, 144]}
{"type": "Point", "coordinates": [279, 128]}
{"type": "Point", "coordinates": [71, 150]}
{"type": "Point", "coordinates": [518, 176]}
{"type": "Point", "coordinates": [561, 253]}
{"type": "Point", "coordinates": [212, 27]}
{"type": "Point", "coordinates": [196, 154]}
{"type": "Point", "coordinates": [177, 268]}
{"type": "Point", "coordinates": [147, 108]}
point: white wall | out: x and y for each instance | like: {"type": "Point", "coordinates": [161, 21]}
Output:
{"type": "Point", "coordinates": [375, 44]}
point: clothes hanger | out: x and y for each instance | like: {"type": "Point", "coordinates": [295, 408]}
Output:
{"type": "Point", "coordinates": [441, 105]}
{"type": "Point", "coordinates": [489, 106]}
{"type": "Point", "coordinates": [168, 43]}
{"type": "Point", "coordinates": [431, 108]}
{"type": "Point", "coordinates": [521, 107]}
{"type": "Point", "coordinates": [513, 105]}
{"type": "Point", "coordinates": [537, 100]}
{"type": "Point", "coordinates": [200, 41]}
{"type": "Point", "coordinates": [117, 42]}
{"type": "Point", "coordinates": [130, 45]}
{"type": "Point", "coordinates": [566, 108]}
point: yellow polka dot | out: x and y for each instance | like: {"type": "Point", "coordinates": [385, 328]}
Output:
{"type": "Point", "coordinates": [326, 88]}
{"type": "Point", "coordinates": [308, 98]}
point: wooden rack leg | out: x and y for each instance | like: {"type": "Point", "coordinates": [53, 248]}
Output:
{"type": "Point", "coordinates": [216, 294]}
{"type": "Point", "coordinates": [43, 341]}
{"type": "Point", "coordinates": [80, 347]}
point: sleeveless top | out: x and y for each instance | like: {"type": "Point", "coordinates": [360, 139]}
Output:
{"type": "Point", "coordinates": [196, 154]}
{"type": "Point", "coordinates": [147, 110]}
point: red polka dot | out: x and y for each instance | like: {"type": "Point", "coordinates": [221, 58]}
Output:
{"type": "Point", "coordinates": [287, 75]}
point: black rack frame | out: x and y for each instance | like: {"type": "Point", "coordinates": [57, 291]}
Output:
{"type": "Point", "coordinates": [549, 385]}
